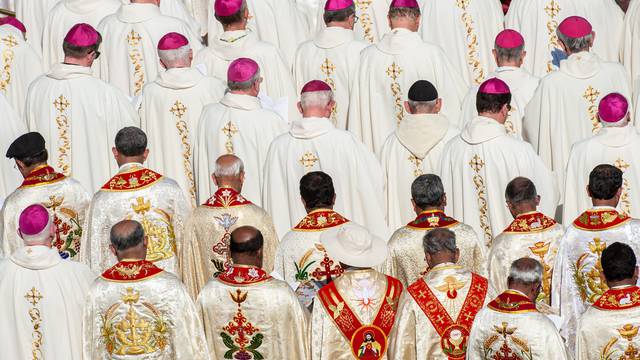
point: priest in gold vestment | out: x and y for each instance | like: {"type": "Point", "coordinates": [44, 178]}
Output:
{"type": "Point", "coordinates": [355, 313]}
{"type": "Point", "coordinates": [577, 277]}
{"type": "Point", "coordinates": [65, 198]}
{"type": "Point", "coordinates": [531, 234]}
{"type": "Point", "coordinates": [510, 326]}
{"type": "Point", "coordinates": [301, 259]}
{"type": "Point", "coordinates": [436, 312]}
{"type": "Point", "coordinates": [246, 313]}
{"type": "Point", "coordinates": [138, 311]}
{"type": "Point", "coordinates": [205, 246]}
{"type": "Point", "coordinates": [141, 194]}
{"type": "Point", "coordinates": [406, 260]}
{"type": "Point", "coordinates": [609, 327]}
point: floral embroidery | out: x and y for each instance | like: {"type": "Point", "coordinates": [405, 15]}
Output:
{"type": "Point", "coordinates": [240, 336]}
{"type": "Point", "coordinates": [131, 271]}
{"type": "Point", "coordinates": [320, 219]}
{"type": "Point", "coordinates": [618, 299]}
{"type": "Point", "coordinates": [509, 342]}
{"type": "Point", "coordinates": [588, 277]}
{"type": "Point", "coordinates": [226, 197]}
{"type": "Point", "coordinates": [600, 219]}
{"type": "Point", "coordinates": [243, 275]}
{"type": "Point", "coordinates": [530, 222]}
{"type": "Point", "coordinates": [137, 178]}
{"type": "Point", "coordinates": [69, 228]}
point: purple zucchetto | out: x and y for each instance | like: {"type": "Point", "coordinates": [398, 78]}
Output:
{"type": "Point", "coordinates": [172, 41]}
{"type": "Point", "coordinates": [315, 85]}
{"type": "Point", "coordinates": [82, 35]}
{"type": "Point", "coordinates": [227, 7]}
{"type": "Point", "coordinates": [575, 27]}
{"type": "Point", "coordinates": [241, 70]}
{"type": "Point", "coordinates": [335, 5]}
{"type": "Point", "coordinates": [509, 39]}
{"type": "Point", "coordinates": [10, 20]}
{"type": "Point", "coordinates": [33, 220]}
{"type": "Point", "coordinates": [404, 4]}
{"type": "Point", "coordinates": [494, 86]}
{"type": "Point", "coordinates": [613, 108]}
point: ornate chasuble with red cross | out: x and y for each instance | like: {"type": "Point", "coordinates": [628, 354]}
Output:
{"type": "Point", "coordinates": [226, 197]}
{"type": "Point", "coordinates": [619, 299]}
{"type": "Point", "coordinates": [530, 222]}
{"type": "Point", "coordinates": [600, 219]}
{"type": "Point", "coordinates": [432, 219]}
{"type": "Point", "coordinates": [41, 176]}
{"type": "Point", "coordinates": [453, 334]}
{"type": "Point", "coordinates": [135, 179]}
{"type": "Point", "coordinates": [320, 219]}
{"type": "Point", "coordinates": [131, 270]}
{"type": "Point", "coordinates": [512, 302]}
{"type": "Point", "coordinates": [367, 341]}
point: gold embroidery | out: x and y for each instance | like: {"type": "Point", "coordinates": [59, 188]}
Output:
{"type": "Point", "coordinates": [69, 227]}
{"type": "Point", "coordinates": [541, 249]}
{"type": "Point", "coordinates": [7, 61]}
{"type": "Point", "coordinates": [552, 9]}
{"type": "Point", "coordinates": [229, 131]}
{"type": "Point", "coordinates": [138, 332]}
{"type": "Point", "coordinates": [327, 69]}
{"type": "Point", "coordinates": [477, 164]}
{"type": "Point", "coordinates": [64, 142]}
{"type": "Point", "coordinates": [417, 163]}
{"type": "Point", "coordinates": [591, 95]}
{"type": "Point", "coordinates": [33, 297]}
{"type": "Point", "coordinates": [178, 110]}
{"type": "Point", "coordinates": [628, 332]}
{"type": "Point", "coordinates": [472, 42]}
{"type": "Point", "coordinates": [308, 160]}
{"type": "Point", "coordinates": [626, 188]}
{"type": "Point", "coordinates": [365, 19]}
{"type": "Point", "coordinates": [394, 71]}
{"type": "Point", "coordinates": [509, 342]}
{"type": "Point", "coordinates": [158, 228]}
{"type": "Point", "coordinates": [590, 283]}
{"type": "Point", "coordinates": [133, 38]}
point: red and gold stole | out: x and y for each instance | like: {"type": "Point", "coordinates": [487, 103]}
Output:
{"type": "Point", "coordinates": [530, 222]}
{"type": "Point", "coordinates": [134, 179]}
{"type": "Point", "coordinates": [243, 275]}
{"type": "Point", "coordinates": [131, 270]}
{"type": "Point", "coordinates": [226, 197]}
{"type": "Point", "coordinates": [453, 334]}
{"type": "Point", "coordinates": [512, 302]}
{"type": "Point", "coordinates": [320, 219]}
{"type": "Point", "coordinates": [619, 299]}
{"type": "Point", "coordinates": [367, 341]}
{"type": "Point", "coordinates": [432, 219]}
{"type": "Point", "coordinates": [600, 219]}
{"type": "Point", "coordinates": [42, 175]}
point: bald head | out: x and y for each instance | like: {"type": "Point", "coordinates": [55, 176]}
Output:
{"type": "Point", "coordinates": [128, 240]}
{"type": "Point", "coordinates": [229, 172]}
{"type": "Point", "coordinates": [245, 246]}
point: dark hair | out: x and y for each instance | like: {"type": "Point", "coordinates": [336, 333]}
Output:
{"type": "Point", "coordinates": [233, 18]}
{"type": "Point", "coordinates": [520, 189]}
{"type": "Point", "coordinates": [80, 51]}
{"type": "Point", "coordinates": [396, 12]}
{"type": "Point", "coordinates": [427, 191]}
{"type": "Point", "coordinates": [251, 246]}
{"type": "Point", "coordinates": [604, 181]}
{"type": "Point", "coordinates": [338, 15]}
{"type": "Point", "coordinates": [38, 158]}
{"type": "Point", "coordinates": [316, 189]}
{"type": "Point", "coordinates": [491, 103]}
{"type": "Point", "coordinates": [131, 141]}
{"type": "Point", "coordinates": [618, 262]}
{"type": "Point", "coordinates": [126, 238]}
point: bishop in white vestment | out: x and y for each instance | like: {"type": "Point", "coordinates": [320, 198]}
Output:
{"type": "Point", "coordinates": [413, 149]}
{"type": "Point", "coordinates": [313, 144]}
{"type": "Point", "coordinates": [387, 70]}
{"type": "Point", "coordinates": [136, 193]}
{"type": "Point", "coordinates": [180, 9]}
{"type": "Point", "coordinates": [13, 126]}
{"type": "Point", "coordinates": [130, 58]}
{"type": "Point", "coordinates": [64, 197]}
{"type": "Point", "coordinates": [77, 114]}
{"type": "Point", "coordinates": [34, 16]}
{"type": "Point", "coordinates": [333, 55]}
{"type": "Point", "coordinates": [564, 109]}
{"type": "Point", "coordinates": [42, 294]}
{"type": "Point", "coordinates": [176, 97]}
{"type": "Point", "coordinates": [477, 165]}
{"type": "Point", "coordinates": [372, 21]}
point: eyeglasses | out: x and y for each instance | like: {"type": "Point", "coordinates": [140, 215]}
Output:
{"type": "Point", "coordinates": [97, 54]}
{"type": "Point", "coordinates": [355, 18]}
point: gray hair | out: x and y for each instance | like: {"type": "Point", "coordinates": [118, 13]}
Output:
{"type": "Point", "coordinates": [422, 107]}
{"type": "Point", "coordinates": [244, 85]}
{"type": "Point", "coordinates": [525, 271]}
{"type": "Point", "coordinates": [513, 54]}
{"type": "Point", "coordinates": [316, 99]}
{"type": "Point", "coordinates": [176, 57]}
{"type": "Point", "coordinates": [620, 123]}
{"type": "Point", "coordinates": [229, 170]}
{"type": "Point", "coordinates": [439, 239]}
{"type": "Point", "coordinates": [427, 191]}
{"type": "Point", "coordinates": [575, 45]}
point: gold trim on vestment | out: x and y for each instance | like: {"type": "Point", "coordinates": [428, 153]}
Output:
{"type": "Point", "coordinates": [64, 141]}
{"type": "Point", "coordinates": [178, 110]}
{"type": "Point", "coordinates": [477, 164]}
{"type": "Point", "coordinates": [472, 42]}
{"type": "Point", "coordinates": [133, 39]}
{"type": "Point", "coordinates": [7, 61]}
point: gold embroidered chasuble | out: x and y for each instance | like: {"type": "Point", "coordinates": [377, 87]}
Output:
{"type": "Point", "coordinates": [140, 194]}
{"type": "Point", "coordinates": [531, 235]}
{"type": "Point", "coordinates": [577, 278]}
{"type": "Point", "coordinates": [249, 315]}
{"type": "Point", "coordinates": [67, 200]}
{"type": "Point", "coordinates": [609, 327]}
{"type": "Point", "coordinates": [406, 255]}
{"type": "Point", "coordinates": [205, 250]}
{"type": "Point", "coordinates": [510, 327]}
{"type": "Point", "coordinates": [136, 310]}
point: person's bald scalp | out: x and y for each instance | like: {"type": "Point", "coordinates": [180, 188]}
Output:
{"type": "Point", "coordinates": [245, 246]}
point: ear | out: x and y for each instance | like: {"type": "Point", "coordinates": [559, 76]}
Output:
{"type": "Point", "coordinates": [115, 152]}
{"type": "Point", "coordinates": [299, 105]}
{"type": "Point", "coordinates": [416, 209]}
{"type": "Point", "coordinates": [145, 154]}
{"type": "Point", "coordinates": [113, 250]}
{"type": "Point", "coordinates": [495, 55]}
{"type": "Point", "coordinates": [406, 107]}
{"type": "Point", "coordinates": [443, 202]}
{"type": "Point", "coordinates": [593, 38]}
{"type": "Point", "coordinates": [438, 105]}
{"type": "Point", "coordinates": [333, 200]}
{"type": "Point", "coordinates": [588, 191]}
{"type": "Point", "coordinates": [190, 55]}
{"type": "Point", "coordinates": [524, 55]}
{"type": "Point", "coordinates": [242, 177]}
{"type": "Point", "coordinates": [538, 200]}
{"type": "Point", "coordinates": [389, 21]}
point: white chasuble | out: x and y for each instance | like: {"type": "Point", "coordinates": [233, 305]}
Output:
{"type": "Point", "coordinates": [537, 21]}
{"type": "Point", "coordinates": [354, 315]}
{"type": "Point", "coordinates": [564, 108]}
{"type": "Point", "coordinates": [577, 277]}
{"type": "Point", "coordinates": [387, 71]}
{"type": "Point", "coordinates": [129, 51]}
{"type": "Point", "coordinates": [64, 16]}
{"type": "Point", "coordinates": [170, 110]}
{"type": "Point", "coordinates": [181, 9]}
{"type": "Point", "coordinates": [247, 314]}
{"type": "Point", "coordinates": [13, 126]}
{"type": "Point", "coordinates": [510, 327]}
{"type": "Point", "coordinates": [413, 149]}
{"type": "Point", "coordinates": [608, 329]}
{"type": "Point", "coordinates": [236, 125]}
{"type": "Point", "coordinates": [65, 198]}
{"type": "Point", "coordinates": [406, 261]}
{"type": "Point", "coordinates": [33, 14]}
{"type": "Point", "coordinates": [205, 246]}
{"type": "Point", "coordinates": [466, 31]}
{"type": "Point", "coordinates": [276, 74]}
{"type": "Point", "coordinates": [137, 193]}
{"type": "Point", "coordinates": [79, 117]}
{"type": "Point", "coordinates": [630, 53]}
{"type": "Point", "coordinates": [436, 313]}
{"type": "Point", "coordinates": [532, 235]}
{"type": "Point", "coordinates": [478, 164]}
{"type": "Point", "coordinates": [21, 64]}
{"type": "Point", "coordinates": [334, 57]}
{"type": "Point", "coordinates": [617, 146]}
{"type": "Point", "coordinates": [372, 21]}
{"type": "Point", "coordinates": [137, 311]}
{"type": "Point", "coordinates": [522, 85]}
{"type": "Point", "coordinates": [41, 304]}
{"type": "Point", "coordinates": [314, 144]}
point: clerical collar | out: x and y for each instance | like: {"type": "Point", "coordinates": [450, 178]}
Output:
{"type": "Point", "coordinates": [600, 218]}
{"type": "Point", "coordinates": [512, 301]}
{"type": "Point", "coordinates": [431, 219]}
{"type": "Point", "coordinates": [619, 298]}
{"type": "Point", "coordinates": [320, 219]}
{"type": "Point", "coordinates": [226, 197]}
{"type": "Point", "coordinates": [131, 270]}
{"type": "Point", "coordinates": [500, 69]}
{"type": "Point", "coordinates": [445, 266]}
{"type": "Point", "coordinates": [42, 175]}
{"type": "Point", "coordinates": [533, 221]}
{"type": "Point", "coordinates": [308, 128]}
{"type": "Point", "coordinates": [238, 274]}
{"type": "Point", "coordinates": [36, 257]}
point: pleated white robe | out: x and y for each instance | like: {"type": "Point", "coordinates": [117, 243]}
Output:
{"type": "Point", "coordinates": [180, 9]}
{"type": "Point", "coordinates": [12, 127]}
{"type": "Point", "coordinates": [387, 71]}
{"type": "Point", "coordinates": [630, 54]}
{"type": "Point", "coordinates": [372, 19]}
{"type": "Point", "coordinates": [33, 15]}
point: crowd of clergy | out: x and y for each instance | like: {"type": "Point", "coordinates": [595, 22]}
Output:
{"type": "Point", "coordinates": [320, 180]}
